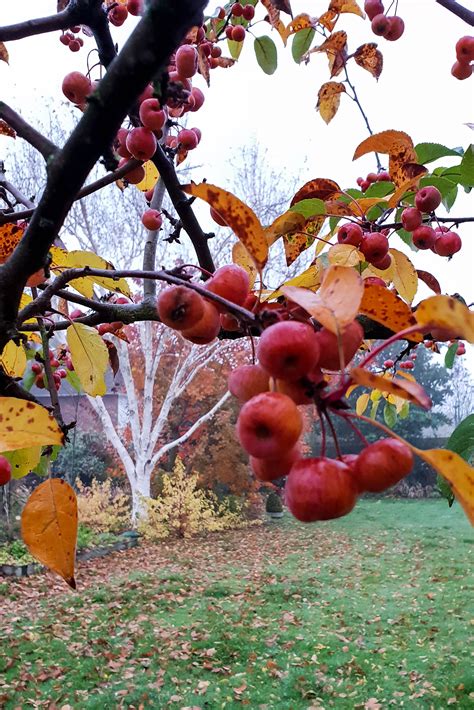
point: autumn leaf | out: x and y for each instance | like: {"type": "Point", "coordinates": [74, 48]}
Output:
{"type": "Point", "coordinates": [13, 359]}
{"type": "Point", "coordinates": [6, 130]}
{"type": "Point", "coordinates": [241, 257]}
{"type": "Point", "coordinates": [430, 280]}
{"type": "Point", "coordinates": [300, 22]}
{"type": "Point", "coordinates": [448, 313]}
{"type": "Point", "coordinates": [295, 243]}
{"type": "Point", "coordinates": [49, 527]}
{"type": "Point", "coordinates": [151, 177]}
{"type": "Point", "coordinates": [335, 47]}
{"type": "Point", "coordinates": [3, 53]}
{"type": "Point", "coordinates": [203, 65]}
{"type": "Point", "coordinates": [403, 188]}
{"type": "Point", "coordinates": [404, 389]}
{"type": "Point", "coordinates": [403, 161]}
{"type": "Point", "coordinates": [283, 5]}
{"type": "Point", "coordinates": [89, 356]}
{"type": "Point", "coordinates": [329, 98]}
{"type": "Point", "coordinates": [383, 306]}
{"type": "Point", "coordinates": [62, 259]}
{"type": "Point", "coordinates": [287, 222]}
{"type": "Point", "coordinates": [319, 188]}
{"type": "Point", "coordinates": [240, 218]}
{"type": "Point", "coordinates": [345, 255]}
{"type": "Point", "coordinates": [336, 303]}
{"type": "Point", "coordinates": [370, 58]}
{"type": "Point", "coordinates": [10, 236]}
{"type": "Point", "coordinates": [362, 403]}
{"type": "Point", "coordinates": [23, 461]}
{"type": "Point", "coordinates": [310, 278]}
{"type": "Point", "coordinates": [341, 6]}
{"type": "Point", "coordinates": [403, 275]}
{"type": "Point", "coordinates": [24, 424]}
{"type": "Point", "coordinates": [224, 62]}
{"type": "Point", "coordinates": [455, 470]}
{"type": "Point", "coordinates": [328, 20]}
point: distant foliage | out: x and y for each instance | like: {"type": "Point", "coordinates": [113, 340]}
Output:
{"type": "Point", "coordinates": [102, 507]}
{"type": "Point", "coordinates": [183, 509]}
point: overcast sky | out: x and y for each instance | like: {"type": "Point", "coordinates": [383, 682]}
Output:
{"type": "Point", "coordinates": [416, 93]}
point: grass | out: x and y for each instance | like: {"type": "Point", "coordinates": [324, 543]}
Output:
{"type": "Point", "coordinates": [368, 611]}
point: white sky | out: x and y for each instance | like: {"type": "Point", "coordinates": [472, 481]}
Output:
{"type": "Point", "coordinates": [416, 93]}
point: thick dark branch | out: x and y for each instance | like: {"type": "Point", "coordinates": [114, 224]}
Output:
{"type": "Point", "coordinates": [27, 132]}
{"type": "Point", "coordinates": [183, 208]}
{"type": "Point", "coordinates": [72, 15]}
{"type": "Point", "coordinates": [11, 388]}
{"type": "Point", "coordinates": [459, 10]}
{"type": "Point", "coordinates": [147, 51]}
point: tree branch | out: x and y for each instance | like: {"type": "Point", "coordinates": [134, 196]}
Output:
{"type": "Point", "coordinates": [72, 15]}
{"type": "Point", "coordinates": [459, 10]}
{"type": "Point", "coordinates": [146, 51]}
{"type": "Point", "coordinates": [27, 132]}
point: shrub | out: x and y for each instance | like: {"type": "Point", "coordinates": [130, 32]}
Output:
{"type": "Point", "coordinates": [274, 504]}
{"type": "Point", "coordinates": [185, 510]}
{"type": "Point", "coordinates": [102, 507]}
{"type": "Point", "coordinates": [85, 458]}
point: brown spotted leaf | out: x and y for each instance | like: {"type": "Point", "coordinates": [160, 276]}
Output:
{"type": "Point", "coordinates": [10, 235]}
{"type": "Point", "coordinates": [389, 142]}
{"type": "Point", "coordinates": [6, 130]}
{"type": "Point", "coordinates": [335, 48]}
{"type": "Point", "coordinates": [329, 98]}
{"type": "Point", "coordinates": [328, 20]}
{"type": "Point", "coordinates": [49, 527]}
{"type": "Point", "coordinates": [383, 306]}
{"type": "Point", "coordinates": [297, 242]}
{"type": "Point", "coordinates": [3, 53]}
{"type": "Point", "coordinates": [203, 65]}
{"type": "Point", "coordinates": [300, 22]}
{"type": "Point", "coordinates": [341, 6]}
{"type": "Point", "coordinates": [24, 424]}
{"type": "Point", "coordinates": [411, 391]}
{"type": "Point", "coordinates": [336, 303]}
{"type": "Point", "coordinates": [334, 208]}
{"type": "Point", "coordinates": [287, 222]}
{"type": "Point", "coordinates": [273, 14]}
{"type": "Point", "coordinates": [370, 58]}
{"type": "Point", "coordinates": [240, 218]}
{"type": "Point", "coordinates": [319, 188]}
{"type": "Point", "coordinates": [224, 62]}
{"type": "Point", "coordinates": [447, 313]}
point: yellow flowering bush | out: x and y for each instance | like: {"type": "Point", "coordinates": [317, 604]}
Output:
{"type": "Point", "coordinates": [102, 507]}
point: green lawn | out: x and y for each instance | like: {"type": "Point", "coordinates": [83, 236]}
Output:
{"type": "Point", "coordinates": [375, 610]}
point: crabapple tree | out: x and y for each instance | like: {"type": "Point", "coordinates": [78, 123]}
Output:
{"type": "Point", "coordinates": [315, 336]}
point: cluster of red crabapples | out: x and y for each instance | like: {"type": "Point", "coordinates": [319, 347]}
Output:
{"type": "Point", "coordinates": [59, 361]}
{"type": "Point", "coordinates": [375, 245]}
{"type": "Point", "coordinates": [462, 67]}
{"type": "Point", "coordinates": [291, 358]}
{"type": "Point", "coordinates": [389, 27]}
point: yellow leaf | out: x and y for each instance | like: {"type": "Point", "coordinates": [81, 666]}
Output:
{"type": "Point", "coordinates": [329, 98]}
{"type": "Point", "coordinates": [24, 424]}
{"type": "Point", "coordinates": [24, 301]}
{"type": "Point", "coordinates": [341, 6]}
{"type": "Point", "coordinates": [411, 391]}
{"type": "Point", "coordinates": [310, 278]}
{"type": "Point", "coordinates": [89, 356]}
{"type": "Point", "coordinates": [364, 204]}
{"type": "Point", "coordinates": [384, 142]}
{"type": "Point", "coordinates": [241, 257]}
{"type": "Point", "coordinates": [362, 403]}
{"type": "Point", "coordinates": [85, 285]}
{"type": "Point", "coordinates": [295, 243]}
{"type": "Point", "coordinates": [336, 304]}
{"type": "Point", "coordinates": [24, 460]}
{"type": "Point", "coordinates": [455, 470]}
{"type": "Point", "coordinates": [447, 313]}
{"type": "Point", "coordinates": [240, 218]}
{"type": "Point", "coordinates": [49, 527]}
{"type": "Point", "coordinates": [287, 222]}
{"type": "Point", "coordinates": [300, 22]}
{"type": "Point", "coordinates": [383, 306]}
{"type": "Point", "coordinates": [13, 359]}
{"type": "Point", "coordinates": [403, 275]}
{"type": "Point", "coordinates": [345, 255]}
{"type": "Point", "coordinates": [151, 176]}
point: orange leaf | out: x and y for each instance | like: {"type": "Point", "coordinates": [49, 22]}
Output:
{"type": "Point", "coordinates": [402, 189]}
{"type": "Point", "coordinates": [329, 98]}
{"type": "Point", "coordinates": [297, 242]}
{"type": "Point", "coordinates": [328, 20]}
{"type": "Point", "coordinates": [240, 218]}
{"type": "Point", "coordinates": [370, 58]}
{"type": "Point", "coordinates": [411, 391]}
{"type": "Point", "coordinates": [6, 130]}
{"type": "Point", "coordinates": [389, 142]}
{"type": "Point", "coordinates": [10, 236]}
{"type": "Point", "coordinates": [319, 188]}
{"type": "Point", "coordinates": [336, 304]}
{"type": "Point", "coordinates": [339, 209]}
{"type": "Point", "coordinates": [273, 14]}
{"type": "Point", "coordinates": [383, 306]}
{"type": "Point", "coordinates": [336, 51]}
{"type": "Point", "coordinates": [203, 64]}
{"type": "Point", "coordinates": [455, 470]}
{"type": "Point", "coordinates": [301, 22]}
{"type": "Point", "coordinates": [340, 6]}
{"type": "Point", "coordinates": [287, 222]}
{"type": "Point", "coordinates": [448, 313]}
{"type": "Point", "coordinates": [403, 170]}
{"type": "Point", "coordinates": [49, 527]}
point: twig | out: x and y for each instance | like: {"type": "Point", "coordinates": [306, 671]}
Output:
{"type": "Point", "coordinates": [355, 98]}
{"type": "Point", "coordinates": [27, 132]}
{"type": "Point", "coordinates": [459, 10]}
